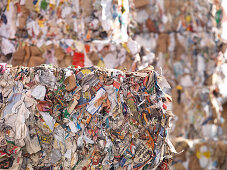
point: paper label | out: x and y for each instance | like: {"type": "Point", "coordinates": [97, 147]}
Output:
{"type": "Point", "coordinates": [93, 106]}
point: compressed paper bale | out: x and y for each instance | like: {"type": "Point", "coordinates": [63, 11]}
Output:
{"type": "Point", "coordinates": [37, 25]}
{"type": "Point", "coordinates": [89, 118]}
{"type": "Point", "coordinates": [185, 51]}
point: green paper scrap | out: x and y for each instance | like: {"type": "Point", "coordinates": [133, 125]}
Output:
{"type": "Point", "coordinates": [44, 4]}
{"type": "Point", "coordinates": [66, 114]}
{"type": "Point", "coordinates": [218, 16]}
{"type": "Point", "coordinates": [11, 142]}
